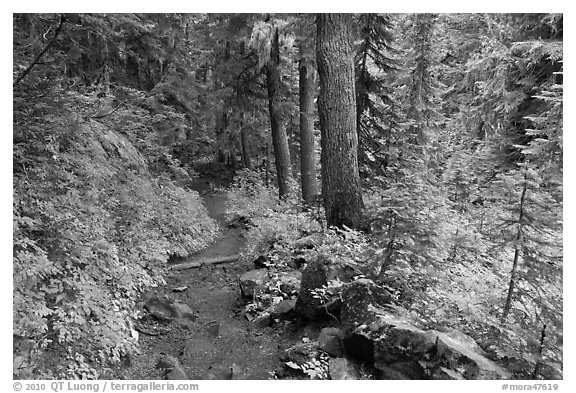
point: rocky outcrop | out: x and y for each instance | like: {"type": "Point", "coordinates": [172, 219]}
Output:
{"type": "Point", "coordinates": [319, 273]}
{"type": "Point", "coordinates": [382, 334]}
{"type": "Point", "coordinates": [105, 146]}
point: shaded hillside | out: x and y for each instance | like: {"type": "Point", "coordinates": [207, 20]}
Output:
{"type": "Point", "coordinates": [95, 222]}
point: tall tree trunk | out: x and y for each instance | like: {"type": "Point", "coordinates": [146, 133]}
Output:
{"type": "Point", "coordinates": [277, 122]}
{"type": "Point", "coordinates": [307, 156]}
{"type": "Point", "coordinates": [518, 246]}
{"type": "Point", "coordinates": [361, 100]}
{"type": "Point", "coordinates": [221, 125]}
{"type": "Point", "coordinates": [337, 108]}
{"type": "Point", "coordinates": [267, 163]}
{"type": "Point", "coordinates": [245, 140]}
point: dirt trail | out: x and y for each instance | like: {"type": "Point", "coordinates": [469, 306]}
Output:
{"type": "Point", "coordinates": [219, 340]}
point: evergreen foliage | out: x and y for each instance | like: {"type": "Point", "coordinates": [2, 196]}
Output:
{"type": "Point", "coordinates": [460, 125]}
{"type": "Point", "coordinates": [377, 115]}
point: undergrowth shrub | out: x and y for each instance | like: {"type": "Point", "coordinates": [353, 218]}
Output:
{"type": "Point", "coordinates": [249, 196]}
{"type": "Point", "coordinates": [92, 228]}
{"type": "Point", "coordinates": [273, 224]}
{"type": "Point", "coordinates": [449, 270]}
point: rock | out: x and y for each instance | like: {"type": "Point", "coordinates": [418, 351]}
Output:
{"type": "Point", "coordinates": [357, 299]}
{"type": "Point", "coordinates": [102, 144]}
{"type": "Point", "coordinates": [165, 308]}
{"type": "Point", "coordinates": [342, 369]}
{"type": "Point", "coordinates": [179, 173]}
{"type": "Point", "coordinates": [264, 319]}
{"type": "Point", "coordinates": [282, 309]}
{"type": "Point", "coordinates": [308, 242]}
{"type": "Point", "coordinates": [197, 347]}
{"type": "Point", "coordinates": [261, 262]}
{"type": "Point", "coordinates": [235, 371]}
{"type": "Point", "coordinates": [317, 274]}
{"type": "Point", "coordinates": [167, 362]}
{"type": "Point", "coordinates": [406, 369]}
{"type": "Point", "coordinates": [463, 353]}
{"type": "Point", "coordinates": [290, 282]}
{"type": "Point", "coordinates": [360, 302]}
{"type": "Point", "coordinates": [331, 341]}
{"type": "Point", "coordinates": [389, 373]}
{"type": "Point", "coordinates": [171, 367]}
{"type": "Point", "coordinates": [443, 373]}
{"type": "Point", "coordinates": [176, 374]}
{"type": "Point", "coordinates": [302, 352]}
{"type": "Point", "coordinates": [186, 323]}
{"type": "Point", "coordinates": [182, 310]}
{"type": "Point", "coordinates": [378, 331]}
{"type": "Point", "coordinates": [401, 340]}
{"type": "Point", "coordinates": [253, 281]}
{"type": "Point", "coordinates": [297, 263]}
{"type": "Point", "coordinates": [213, 328]}
{"type": "Point", "coordinates": [360, 347]}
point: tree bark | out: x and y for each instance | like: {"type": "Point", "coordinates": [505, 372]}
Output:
{"type": "Point", "coordinates": [277, 122]}
{"type": "Point", "coordinates": [245, 141]}
{"type": "Point", "coordinates": [337, 108]}
{"type": "Point", "coordinates": [307, 152]}
{"type": "Point", "coordinates": [518, 246]}
{"type": "Point", "coordinates": [221, 125]}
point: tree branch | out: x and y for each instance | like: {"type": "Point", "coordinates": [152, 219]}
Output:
{"type": "Point", "coordinates": [99, 116]}
{"type": "Point", "coordinates": [212, 261]}
{"type": "Point", "coordinates": [39, 55]}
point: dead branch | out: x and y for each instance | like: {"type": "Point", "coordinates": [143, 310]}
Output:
{"type": "Point", "coordinates": [39, 55]}
{"type": "Point", "coordinates": [205, 262]}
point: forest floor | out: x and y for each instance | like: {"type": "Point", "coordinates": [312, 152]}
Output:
{"type": "Point", "coordinates": [220, 343]}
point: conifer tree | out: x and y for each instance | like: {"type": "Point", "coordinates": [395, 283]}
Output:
{"type": "Point", "coordinates": [376, 109]}
{"type": "Point", "coordinates": [337, 108]}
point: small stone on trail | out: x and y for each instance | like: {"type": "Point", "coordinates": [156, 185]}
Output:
{"type": "Point", "coordinates": [176, 374]}
{"type": "Point", "coordinates": [171, 367]}
{"type": "Point", "coordinates": [167, 309]}
{"type": "Point", "coordinates": [235, 371]}
{"type": "Point", "coordinates": [261, 262]}
{"type": "Point", "coordinates": [213, 328]}
{"type": "Point", "coordinates": [179, 289]}
{"type": "Point", "coordinates": [167, 361]}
